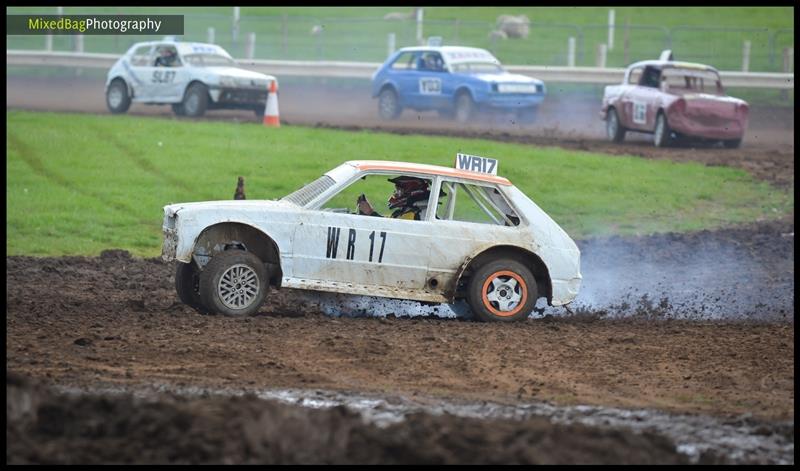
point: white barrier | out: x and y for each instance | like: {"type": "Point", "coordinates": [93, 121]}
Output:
{"type": "Point", "coordinates": [364, 70]}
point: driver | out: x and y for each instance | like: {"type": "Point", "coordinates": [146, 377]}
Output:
{"type": "Point", "coordinates": [167, 57]}
{"type": "Point", "coordinates": [433, 62]}
{"type": "Point", "coordinates": [410, 197]}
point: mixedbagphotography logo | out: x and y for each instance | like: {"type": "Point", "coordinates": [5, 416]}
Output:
{"type": "Point", "coordinates": [94, 24]}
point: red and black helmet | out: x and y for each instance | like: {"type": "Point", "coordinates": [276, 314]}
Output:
{"type": "Point", "coordinates": [407, 191]}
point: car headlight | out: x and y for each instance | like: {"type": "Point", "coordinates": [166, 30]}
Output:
{"type": "Point", "coordinates": [227, 81]}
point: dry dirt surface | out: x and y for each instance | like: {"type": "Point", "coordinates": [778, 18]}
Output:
{"type": "Point", "coordinates": [568, 120]}
{"type": "Point", "coordinates": [115, 322]}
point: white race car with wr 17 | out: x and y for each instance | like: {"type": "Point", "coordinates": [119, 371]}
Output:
{"type": "Point", "coordinates": [191, 77]}
{"type": "Point", "coordinates": [449, 234]}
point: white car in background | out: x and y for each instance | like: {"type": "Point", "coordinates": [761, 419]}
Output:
{"type": "Point", "coordinates": [192, 77]}
{"type": "Point", "coordinates": [482, 240]}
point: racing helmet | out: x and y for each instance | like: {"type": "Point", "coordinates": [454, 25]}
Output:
{"type": "Point", "coordinates": [407, 191]}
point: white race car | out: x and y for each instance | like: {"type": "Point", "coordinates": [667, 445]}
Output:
{"type": "Point", "coordinates": [192, 77]}
{"type": "Point", "coordinates": [454, 233]}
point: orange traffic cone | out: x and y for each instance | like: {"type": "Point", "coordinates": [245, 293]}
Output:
{"type": "Point", "coordinates": [271, 117]}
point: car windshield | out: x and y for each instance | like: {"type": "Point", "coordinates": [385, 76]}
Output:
{"type": "Point", "coordinates": [689, 80]}
{"type": "Point", "coordinates": [208, 60]}
{"type": "Point", "coordinates": [307, 193]}
{"type": "Point", "coordinates": [477, 67]}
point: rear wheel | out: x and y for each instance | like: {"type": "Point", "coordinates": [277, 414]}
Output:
{"type": "Point", "coordinates": [388, 104]}
{"type": "Point", "coordinates": [195, 101]}
{"type": "Point", "coordinates": [503, 290]}
{"type": "Point", "coordinates": [662, 136]}
{"type": "Point", "coordinates": [464, 107]}
{"type": "Point", "coordinates": [117, 99]}
{"type": "Point", "coordinates": [614, 129]}
{"type": "Point", "coordinates": [234, 283]}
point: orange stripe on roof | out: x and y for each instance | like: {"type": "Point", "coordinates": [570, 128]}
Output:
{"type": "Point", "coordinates": [429, 169]}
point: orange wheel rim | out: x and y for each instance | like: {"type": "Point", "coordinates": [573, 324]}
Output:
{"type": "Point", "coordinates": [504, 289]}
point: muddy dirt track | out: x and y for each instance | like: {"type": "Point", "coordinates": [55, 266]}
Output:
{"type": "Point", "coordinates": [115, 322]}
{"type": "Point", "coordinates": [698, 326]}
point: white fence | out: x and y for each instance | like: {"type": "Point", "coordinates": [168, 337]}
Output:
{"type": "Point", "coordinates": [364, 70]}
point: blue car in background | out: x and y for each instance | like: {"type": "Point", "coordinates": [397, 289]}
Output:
{"type": "Point", "coordinates": [455, 81]}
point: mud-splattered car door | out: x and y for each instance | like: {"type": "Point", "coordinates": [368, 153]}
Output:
{"type": "Point", "coordinates": [361, 251]}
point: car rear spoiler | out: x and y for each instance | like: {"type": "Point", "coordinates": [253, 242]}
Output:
{"type": "Point", "coordinates": [666, 55]}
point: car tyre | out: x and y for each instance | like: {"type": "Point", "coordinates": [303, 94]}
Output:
{"type": "Point", "coordinates": [259, 110]}
{"type": "Point", "coordinates": [117, 99]}
{"type": "Point", "coordinates": [732, 143]}
{"type": "Point", "coordinates": [234, 283]}
{"type": "Point", "coordinates": [195, 101]}
{"type": "Point", "coordinates": [464, 108]}
{"type": "Point", "coordinates": [527, 115]}
{"type": "Point", "coordinates": [614, 129]}
{"type": "Point", "coordinates": [388, 104]}
{"type": "Point", "coordinates": [187, 285]}
{"type": "Point", "coordinates": [662, 135]}
{"type": "Point", "coordinates": [503, 290]}
{"type": "Point", "coordinates": [177, 108]}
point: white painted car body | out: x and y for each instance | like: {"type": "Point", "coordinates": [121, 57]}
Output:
{"type": "Point", "coordinates": [380, 256]}
{"type": "Point", "coordinates": [229, 86]}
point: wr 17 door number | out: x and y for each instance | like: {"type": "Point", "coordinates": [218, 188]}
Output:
{"type": "Point", "coordinates": [332, 247]}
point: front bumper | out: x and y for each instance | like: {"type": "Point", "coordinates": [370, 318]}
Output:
{"type": "Point", "coordinates": [236, 97]}
{"type": "Point", "coordinates": [512, 100]}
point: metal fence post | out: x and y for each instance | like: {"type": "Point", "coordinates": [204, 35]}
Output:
{"type": "Point", "coordinates": [419, 26]}
{"type": "Point", "coordinates": [457, 27]}
{"type": "Point", "coordinates": [571, 52]}
{"type": "Point", "coordinates": [391, 40]}
{"type": "Point", "coordinates": [746, 56]}
{"type": "Point", "coordinates": [611, 29]}
{"type": "Point", "coordinates": [211, 34]}
{"type": "Point", "coordinates": [235, 29]}
{"type": "Point", "coordinates": [250, 46]}
{"type": "Point", "coordinates": [284, 33]}
{"type": "Point", "coordinates": [602, 51]}
{"type": "Point", "coordinates": [788, 55]}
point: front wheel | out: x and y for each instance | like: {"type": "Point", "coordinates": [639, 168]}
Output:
{"type": "Point", "coordinates": [662, 136]}
{"type": "Point", "coordinates": [388, 104]}
{"type": "Point", "coordinates": [195, 101]}
{"type": "Point", "coordinates": [234, 283]}
{"type": "Point", "coordinates": [527, 115]}
{"type": "Point", "coordinates": [614, 130]}
{"type": "Point", "coordinates": [117, 99]}
{"type": "Point", "coordinates": [732, 143]}
{"type": "Point", "coordinates": [503, 290]}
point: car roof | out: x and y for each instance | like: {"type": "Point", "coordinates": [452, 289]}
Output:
{"type": "Point", "coordinates": [455, 53]}
{"type": "Point", "coordinates": [365, 165]}
{"type": "Point", "coordinates": [186, 47]}
{"type": "Point", "coordinates": [672, 64]}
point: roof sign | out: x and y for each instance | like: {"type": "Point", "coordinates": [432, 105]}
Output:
{"type": "Point", "coordinates": [474, 163]}
{"type": "Point", "coordinates": [435, 41]}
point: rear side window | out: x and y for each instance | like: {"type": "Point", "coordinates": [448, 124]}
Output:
{"type": "Point", "coordinates": [475, 203]}
{"type": "Point", "coordinates": [141, 56]}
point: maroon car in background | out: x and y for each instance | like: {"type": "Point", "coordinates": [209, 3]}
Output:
{"type": "Point", "coordinates": [672, 99]}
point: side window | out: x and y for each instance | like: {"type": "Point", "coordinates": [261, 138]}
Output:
{"type": "Point", "coordinates": [431, 61]}
{"type": "Point", "coordinates": [141, 56]}
{"type": "Point", "coordinates": [395, 196]}
{"type": "Point", "coordinates": [635, 76]}
{"type": "Point", "coordinates": [651, 77]}
{"type": "Point", "coordinates": [166, 56]}
{"type": "Point", "coordinates": [475, 203]}
{"type": "Point", "coordinates": [404, 62]}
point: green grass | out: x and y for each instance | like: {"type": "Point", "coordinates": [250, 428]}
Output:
{"type": "Point", "coordinates": [78, 184]}
{"type": "Point", "coordinates": [360, 33]}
